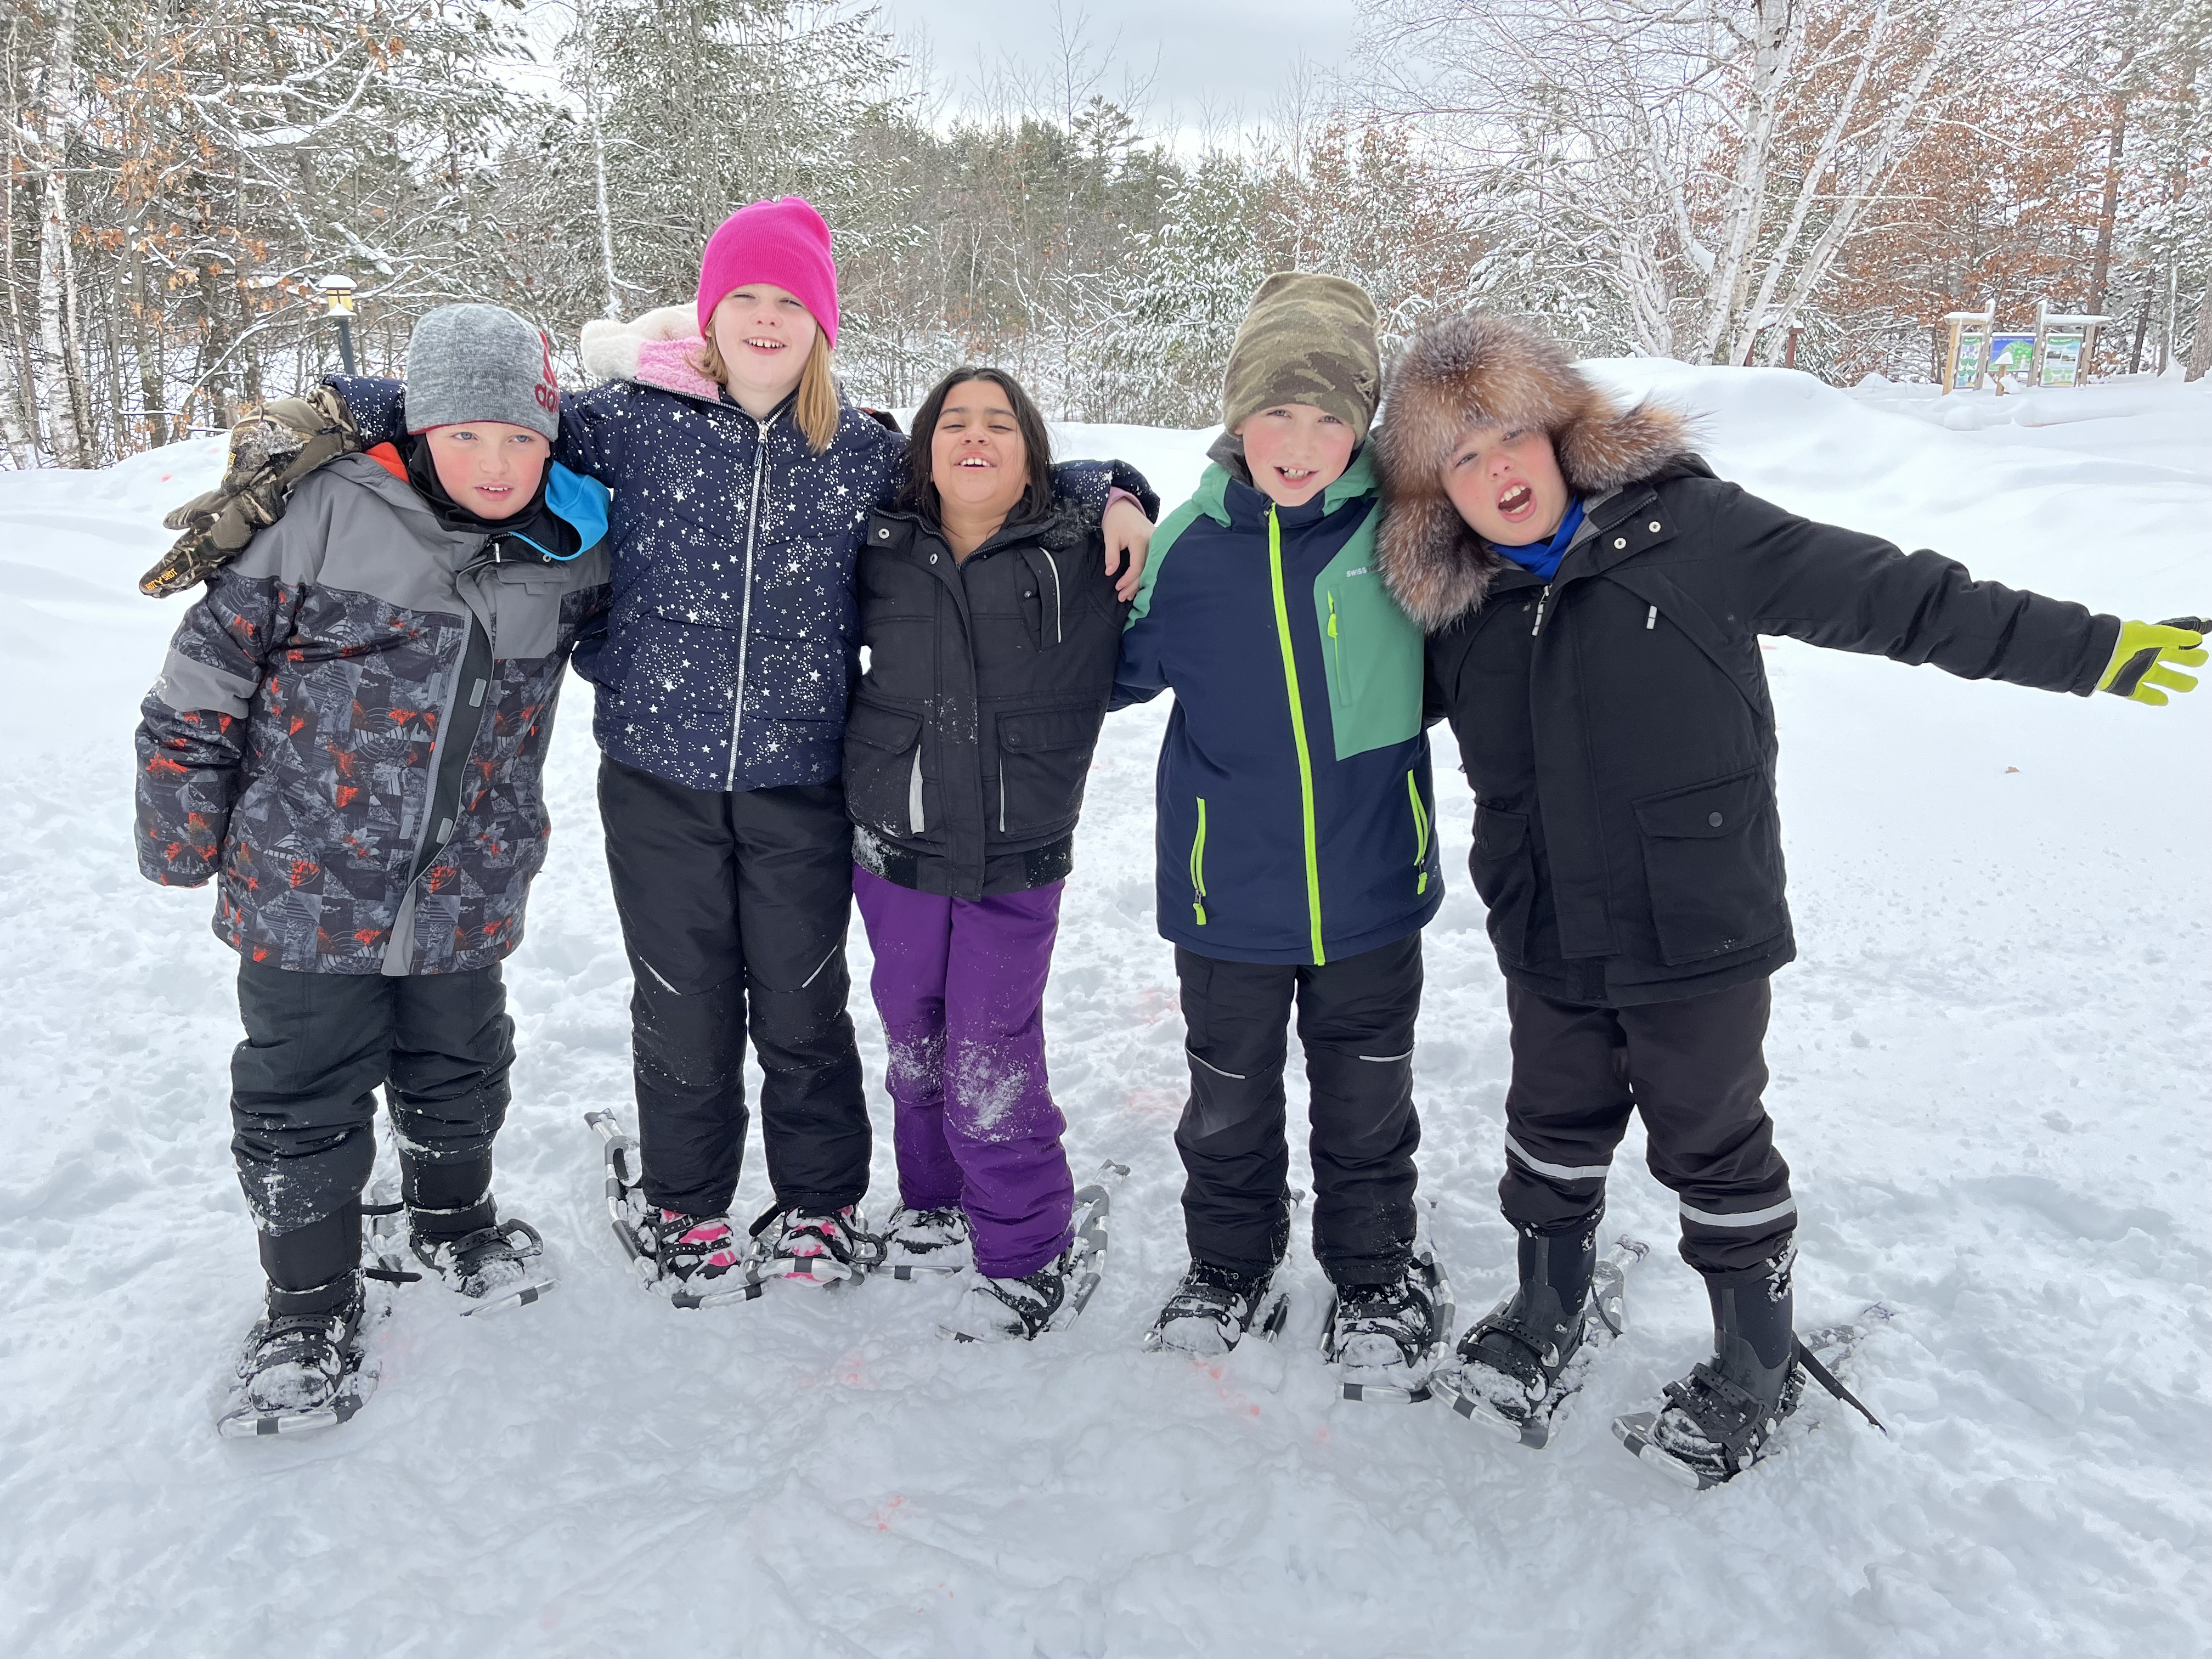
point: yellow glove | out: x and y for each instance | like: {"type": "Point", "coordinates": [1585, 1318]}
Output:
{"type": "Point", "coordinates": [2139, 664]}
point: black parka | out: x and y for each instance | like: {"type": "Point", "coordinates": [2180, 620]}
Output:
{"type": "Point", "coordinates": [970, 735]}
{"type": "Point", "coordinates": [1617, 728]}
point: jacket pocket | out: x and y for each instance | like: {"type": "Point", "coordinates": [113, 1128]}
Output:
{"type": "Point", "coordinates": [1044, 759]}
{"type": "Point", "coordinates": [526, 610]}
{"type": "Point", "coordinates": [883, 768]}
{"type": "Point", "coordinates": [1503, 866]}
{"type": "Point", "coordinates": [1712, 859]}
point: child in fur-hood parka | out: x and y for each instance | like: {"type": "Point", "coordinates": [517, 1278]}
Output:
{"type": "Point", "coordinates": [1594, 596]}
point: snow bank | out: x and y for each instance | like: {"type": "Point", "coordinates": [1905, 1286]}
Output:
{"type": "Point", "coordinates": [1987, 1076]}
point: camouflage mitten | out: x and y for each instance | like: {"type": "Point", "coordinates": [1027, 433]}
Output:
{"type": "Point", "coordinates": [270, 450]}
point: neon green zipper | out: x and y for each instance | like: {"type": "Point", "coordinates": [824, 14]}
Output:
{"type": "Point", "coordinates": [1335, 644]}
{"type": "Point", "coordinates": [1420, 835]}
{"type": "Point", "coordinates": [1297, 732]}
{"type": "Point", "coordinates": [1198, 865]}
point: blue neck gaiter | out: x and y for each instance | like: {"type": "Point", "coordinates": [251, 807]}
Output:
{"type": "Point", "coordinates": [1543, 557]}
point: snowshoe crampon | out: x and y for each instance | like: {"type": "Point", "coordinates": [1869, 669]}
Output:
{"type": "Point", "coordinates": [1526, 1401]}
{"type": "Point", "coordinates": [1050, 1299]}
{"type": "Point", "coordinates": [673, 1256]}
{"type": "Point", "coordinates": [1385, 1341]}
{"type": "Point", "coordinates": [1711, 1430]}
{"type": "Point", "coordinates": [1214, 1308]}
{"type": "Point", "coordinates": [301, 1372]}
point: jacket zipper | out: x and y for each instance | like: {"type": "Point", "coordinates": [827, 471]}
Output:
{"type": "Point", "coordinates": [1297, 732]}
{"type": "Point", "coordinates": [1420, 835]}
{"type": "Point", "coordinates": [1059, 632]}
{"type": "Point", "coordinates": [1542, 600]}
{"type": "Point", "coordinates": [1002, 794]}
{"type": "Point", "coordinates": [1198, 865]}
{"type": "Point", "coordinates": [1335, 644]}
{"type": "Point", "coordinates": [746, 609]}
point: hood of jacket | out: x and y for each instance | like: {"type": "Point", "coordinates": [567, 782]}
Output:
{"type": "Point", "coordinates": [1470, 370]}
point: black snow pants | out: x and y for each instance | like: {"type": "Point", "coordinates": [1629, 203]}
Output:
{"type": "Point", "coordinates": [1696, 1070]}
{"type": "Point", "coordinates": [303, 1103]}
{"type": "Point", "coordinates": [1356, 1023]}
{"type": "Point", "coordinates": [734, 908]}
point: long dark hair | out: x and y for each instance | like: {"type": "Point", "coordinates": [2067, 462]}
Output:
{"type": "Point", "coordinates": [918, 492]}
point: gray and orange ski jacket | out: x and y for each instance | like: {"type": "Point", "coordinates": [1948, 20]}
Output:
{"type": "Point", "coordinates": [349, 730]}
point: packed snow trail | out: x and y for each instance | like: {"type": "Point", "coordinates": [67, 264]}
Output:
{"type": "Point", "coordinates": [1988, 1070]}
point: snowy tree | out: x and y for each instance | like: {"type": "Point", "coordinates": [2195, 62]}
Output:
{"type": "Point", "coordinates": [1713, 159]}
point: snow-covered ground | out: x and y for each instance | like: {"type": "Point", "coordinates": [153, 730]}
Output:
{"type": "Point", "coordinates": [1989, 1076]}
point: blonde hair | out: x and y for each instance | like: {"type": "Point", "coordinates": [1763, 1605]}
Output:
{"type": "Point", "coordinates": [817, 410]}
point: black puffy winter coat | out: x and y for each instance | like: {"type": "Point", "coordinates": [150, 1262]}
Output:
{"type": "Point", "coordinates": [969, 738]}
{"type": "Point", "coordinates": [1617, 728]}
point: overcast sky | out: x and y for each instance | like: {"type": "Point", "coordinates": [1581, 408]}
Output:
{"type": "Point", "coordinates": [1233, 56]}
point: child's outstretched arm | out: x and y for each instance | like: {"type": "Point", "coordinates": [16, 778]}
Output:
{"type": "Point", "coordinates": [1843, 589]}
{"type": "Point", "coordinates": [191, 732]}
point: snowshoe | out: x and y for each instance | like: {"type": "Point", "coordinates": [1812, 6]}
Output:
{"type": "Point", "coordinates": [495, 1267]}
{"type": "Point", "coordinates": [1015, 1310]}
{"type": "Point", "coordinates": [1051, 1298]}
{"type": "Point", "coordinates": [302, 1371]}
{"type": "Point", "coordinates": [921, 1243]}
{"type": "Point", "coordinates": [493, 1264]}
{"type": "Point", "coordinates": [1213, 1308]}
{"type": "Point", "coordinates": [1385, 1340]}
{"type": "Point", "coordinates": [1723, 1417]}
{"type": "Point", "coordinates": [812, 1249]}
{"type": "Point", "coordinates": [1523, 1361]}
{"type": "Point", "coordinates": [696, 1261]}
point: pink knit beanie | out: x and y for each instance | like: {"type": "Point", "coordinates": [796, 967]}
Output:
{"type": "Point", "coordinates": [783, 242]}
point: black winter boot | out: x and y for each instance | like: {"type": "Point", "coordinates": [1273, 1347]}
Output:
{"type": "Point", "coordinates": [1510, 1364]}
{"type": "Point", "coordinates": [1718, 1419]}
{"type": "Point", "coordinates": [454, 1230]}
{"type": "Point", "coordinates": [1213, 1309]}
{"type": "Point", "coordinates": [306, 1364]}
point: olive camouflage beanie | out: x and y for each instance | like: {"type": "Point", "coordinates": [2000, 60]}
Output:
{"type": "Point", "coordinates": [1307, 339]}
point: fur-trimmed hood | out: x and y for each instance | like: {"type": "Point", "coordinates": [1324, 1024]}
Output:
{"type": "Point", "coordinates": [1470, 370]}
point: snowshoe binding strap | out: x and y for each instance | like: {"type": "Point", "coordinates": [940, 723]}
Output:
{"type": "Point", "coordinates": [813, 1246]}
{"type": "Point", "coordinates": [1828, 1380]}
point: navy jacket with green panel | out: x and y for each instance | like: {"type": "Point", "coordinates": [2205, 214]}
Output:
{"type": "Point", "coordinates": [1295, 803]}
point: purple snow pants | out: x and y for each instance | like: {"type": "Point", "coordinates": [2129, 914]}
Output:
{"type": "Point", "coordinates": [960, 985]}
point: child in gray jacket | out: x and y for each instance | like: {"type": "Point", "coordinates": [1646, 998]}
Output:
{"type": "Point", "coordinates": [348, 736]}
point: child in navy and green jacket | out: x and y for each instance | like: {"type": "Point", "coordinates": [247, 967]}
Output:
{"type": "Point", "coordinates": [1297, 861]}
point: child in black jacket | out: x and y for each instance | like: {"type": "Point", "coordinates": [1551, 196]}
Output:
{"type": "Point", "coordinates": [1594, 598]}
{"type": "Point", "coordinates": [992, 627]}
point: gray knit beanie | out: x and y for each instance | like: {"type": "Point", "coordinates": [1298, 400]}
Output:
{"type": "Point", "coordinates": [480, 363]}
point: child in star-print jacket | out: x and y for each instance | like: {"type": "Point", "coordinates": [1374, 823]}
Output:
{"type": "Point", "coordinates": [742, 486]}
